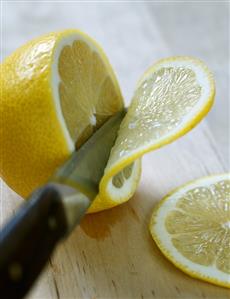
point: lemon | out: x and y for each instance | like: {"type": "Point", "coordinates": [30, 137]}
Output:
{"type": "Point", "coordinates": [55, 92]}
{"type": "Point", "coordinates": [59, 88]}
{"type": "Point", "coordinates": [170, 99]}
{"type": "Point", "coordinates": [191, 226]}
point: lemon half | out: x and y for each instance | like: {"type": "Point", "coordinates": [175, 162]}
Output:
{"type": "Point", "coordinates": [55, 92]}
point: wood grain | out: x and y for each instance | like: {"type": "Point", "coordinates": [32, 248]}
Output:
{"type": "Point", "coordinates": [111, 254]}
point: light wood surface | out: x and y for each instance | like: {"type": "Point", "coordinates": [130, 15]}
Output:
{"type": "Point", "coordinates": [111, 254]}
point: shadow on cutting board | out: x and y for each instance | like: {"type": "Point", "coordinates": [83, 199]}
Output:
{"type": "Point", "coordinates": [98, 225]}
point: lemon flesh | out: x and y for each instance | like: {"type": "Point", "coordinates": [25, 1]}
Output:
{"type": "Point", "coordinates": [191, 226]}
{"type": "Point", "coordinates": [165, 104]}
{"type": "Point", "coordinates": [88, 95]}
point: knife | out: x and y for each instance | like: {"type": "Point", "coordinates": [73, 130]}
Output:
{"type": "Point", "coordinates": [52, 211]}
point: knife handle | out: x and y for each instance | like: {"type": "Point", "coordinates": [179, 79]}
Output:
{"type": "Point", "coordinates": [28, 240]}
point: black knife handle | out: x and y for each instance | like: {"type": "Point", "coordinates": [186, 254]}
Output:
{"type": "Point", "coordinates": [28, 240]}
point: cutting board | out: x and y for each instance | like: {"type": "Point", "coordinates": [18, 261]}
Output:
{"type": "Point", "coordinates": [111, 254]}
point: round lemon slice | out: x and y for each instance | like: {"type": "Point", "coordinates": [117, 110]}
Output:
{"type": "Point", "coordinates": [170, 99]}
{"type": "Point", "coordinates": [191, 226]}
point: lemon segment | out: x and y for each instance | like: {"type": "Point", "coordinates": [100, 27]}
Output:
{"type": "Point", "coordinates": [191, 226]}
{"type": "Point", "coordinates": [170, 99]}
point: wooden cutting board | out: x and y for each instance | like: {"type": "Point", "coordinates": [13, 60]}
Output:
{"type": "Point", "coordinates": [111, 254]}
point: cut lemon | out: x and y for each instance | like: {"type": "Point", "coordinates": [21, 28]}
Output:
{"type": "Point", "coordinates": [59, 88]}
{"type": "Point", "coordinates": [170, 99]}
{"type": "Point", "coordinates": [191, 226]}
{"type": "Point", "coordinates": [55, 92]}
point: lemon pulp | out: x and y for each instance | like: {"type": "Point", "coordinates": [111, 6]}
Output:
{"type": "Point", "coordinates": [87, 93]}
{"type": "Point", "coordinates": [159, 106]}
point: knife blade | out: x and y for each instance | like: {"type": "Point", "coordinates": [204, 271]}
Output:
{"type": "Point", "coordinates": [52, 211]}
{"type": "Point", "coordinates": [78, 179]}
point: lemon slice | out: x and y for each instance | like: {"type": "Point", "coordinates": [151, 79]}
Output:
{"type": "Point", "coordinates": [55, 92]}
{"type": "Point", "coordinates": [170, 99]}
{"type": "Point", "coordinates": [191, 226]}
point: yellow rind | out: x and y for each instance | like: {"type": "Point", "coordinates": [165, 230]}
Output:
{"type": "Point", "coordinates": [34, 87]}
{"type": "Point", "coordinates": [165, 252]}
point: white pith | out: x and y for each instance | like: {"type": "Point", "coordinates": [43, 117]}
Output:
{"type": "Point", "coordinates": [68, 40]}
{"type": "Point", "coordinates": [164, 238]}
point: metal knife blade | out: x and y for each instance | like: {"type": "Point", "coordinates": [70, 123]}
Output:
{"type": "Point", "coordinates": [78, 179]}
